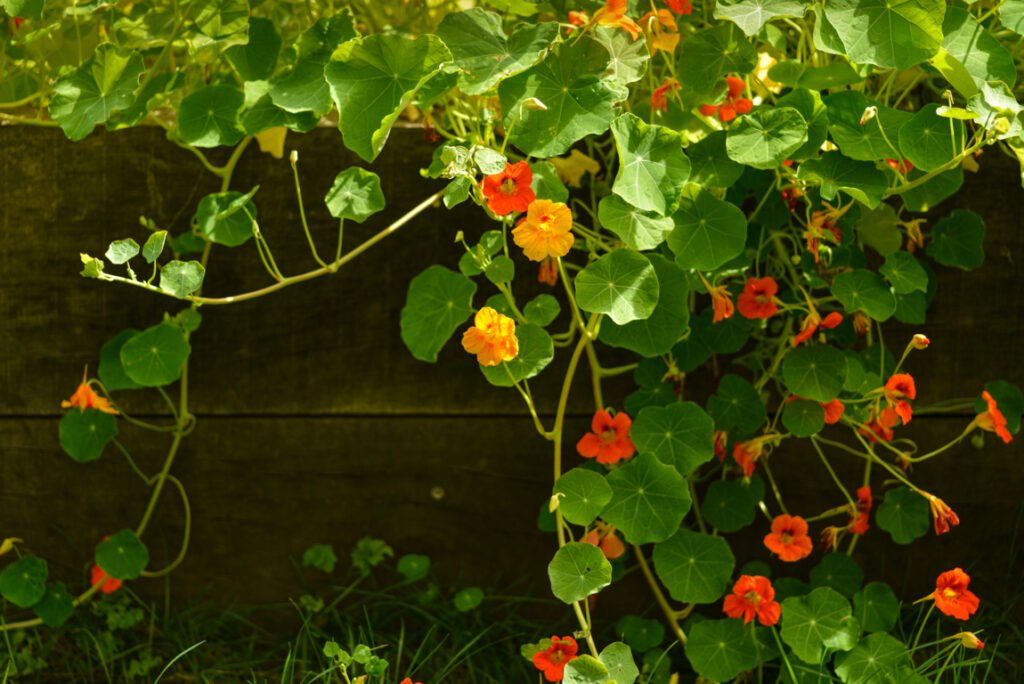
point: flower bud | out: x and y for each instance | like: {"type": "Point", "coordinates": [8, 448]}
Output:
{"type": "Point", "coordinates": [294, 157]}
{"type": "Point", "coordinates": [919, 341]}
{"type": "Point", "coordinates": [970, 640]}
{"type": "Point", "coordinates": [535, 104]}
{"type": "Point", "coordinates": [7, 544]}
{"type": "Point", "coordinates": [869, 114]}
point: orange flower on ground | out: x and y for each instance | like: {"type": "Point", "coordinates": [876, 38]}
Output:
{"type": "Point", "coordinates": [553, 660]}
{"type": "Point", "coordinates": [720, 439]}
{"type": "Point", "coordinates": [109, 584]}
{"type": "Point", "coordinates": [993, 419]}
{"type": "Point", "coordinates": [952, 596]}
{"type": "Point", "coordinates": [664, 32]}
{"type": "Point", "coordinates": [85, 398]}
{"type": "Point", "coordinates": [547, 272]}
{"type": "Point", "coordinates": [609, 440]}
{"type": "Point", "coordinates": [788, 539]}
{"type": "Point", "coordinates": [753, 595]}
{"type": "Point", "coordinates": [758, 298]}
{"type": "Point", "coordinates": [733, 105]}
{"type": "Point", "coordinates": [659, 98]}
{"type": "Point", "coordinates": [571, 169]}
{"type": "Point", "coordinates": [680, 6]}
{"type": "Point", "coordinates": [833, 411]}
{"type": "Point", "coordinates": [546, 231]}
{"type": "Point", "coordinates": [614, 14]}
{"type": "Point", "coordinates": [509, 191]}
{"type": "Point", "coordinates": [492, 337]}
{"type": "Point", "coordinates": [969, 640]}
{"type": "Point", "coordinates": [898, 389]}
{"type": "Point", "coordinates": [859, 523]}
{"type": "Point", "coordinates": [944, 517]}
{"type": "Point", "coordinates": [603, 537]}
{"type": "Point", "coordinates": [721, 303]}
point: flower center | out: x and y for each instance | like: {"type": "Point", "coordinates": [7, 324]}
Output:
{"type": "Point", "coordinates": [787, 538]}
{"type": "Point", "coordinates": [557, 656]}
{"type": "Point", "coordinates": [608, 436]}
{"type": "Point", "coordinates": [752, 597]}
{"type": "Point", "coordinates": [950, 593]}
{"type": "Point", "coordinates": [508, 187]}
{"type": "Point", "coordinates": [543, 223]}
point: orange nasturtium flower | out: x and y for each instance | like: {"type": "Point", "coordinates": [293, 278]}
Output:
{"type": "Point", "coordinates": [664, 32]}
{"type": "Point", "coordinates": [993, 419]}
{"type": "Point", "coordinates": [833, 411]}
{"type": "Point", "coordinates": [952, 596]}
{"type": "Point", "coordinates": [408, 680]}
{"type": "Point", "coordinates": [813, 322]}
{"type": "Point", "coordinates": [880, 426]}
{"type": "Point", "coordinates": [898, 389]}
{"type": "Point", "coordinates": [603, 537]}
{"type": "Point", "coordinates": [788, 539]}
{"type": "Point", "coordinates": [862, 513]}
{"type": "Point", "coordinates": [509, 190]}
{"type": "Point", "coordinates": [579, 18]}
{"type": "Point", "coordinates": [680, 6]}
{"type": "Point", "coordinates": [721, 303]}
{"type": "Point", "coordinates": [109, 584]}
{"type": "Point", "coordinates": [614, 14]}
{"type": "Point", "coordinates": [944, 517]}
{"type": "Point", "coordinates": [547, 272]}
{"type": "Point", "coordinates": [747, 454]}
{"type": "Point", "coordinates": [85, 398]}
{"type": "Point", "coordinates": [546, 231]}
{"type": "Point", "coordinates": [659, 98]}
{"type": "Point", "coordinates": [492, 337]}
{"type": "Point", "coordinates": [758, 298]}
{"type": "Point", "coordinates": [553, 660]}
{"type": "Point", "coordinates": [571, 169]}
{"type": "Point", "coordinates": [753, 595]}
{"type": "Point", "coordinates": [609, 440]}
{"type": "Point", "coordinates": [733, 104]}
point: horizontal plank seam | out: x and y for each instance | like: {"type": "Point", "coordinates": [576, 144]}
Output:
{"type": "Point", "coordinates": [388, 416]}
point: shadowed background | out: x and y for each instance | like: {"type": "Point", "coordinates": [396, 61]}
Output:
{"type": "Point", "coordinates": [315, 425]}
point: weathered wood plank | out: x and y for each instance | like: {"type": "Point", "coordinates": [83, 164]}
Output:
{"type": "Point", "coordinates": [464, 491]}
{"type": "Point", "coordinates": [332, 346]}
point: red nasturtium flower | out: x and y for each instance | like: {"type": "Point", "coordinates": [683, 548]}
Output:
{"type": "Point", "coordinates": [903, 167]}
{"type": "Point", "coordinates": [721, 303]}
{"type": "Point", "coordinates": [109, 584]}
{"type": "Point", "coordinates": [492, 337]}
{"type": "Point", "coordinates": [579, 18]}
{"type": "Point", "coordinates": [833, 411]}
{"type": "Point", "coordinates": [788, 538]}
{"type": "Point", "coordinates": [952, 596]}
{"type": "Point", "coordinates": [545, 231]}
{"type": "Point", "coordinates": [993, 419]}
{"type": "Point", "coordinates": [758, 298]}
{"type": "Point", "coordinates": [509, 190]}
{"type": "Point", "coordinates": [880, 427]}
{"type": "Point", "coordinates": [547, 272]}
{"type": "Point", "coordinates": [859, 523]}
{"type": "Point", "coordinates": [813, 322]}
{"type": "Point", "coordinates": [85, 398]}
{"type": "Point", "coordinates": [680, 6]}
{"type": "Point", "coordinates": [603, 537]}
{"type": "Point", "coordinates": [747, 454]}
{"type": "Point", "coordinates": [553, 660]}
{"type": "Point", "coordinates": [614, 14]}
{"type": "Point", "coordinates": [659, 98]}
{"type": "Point", "coordinates": [408, 680]}
{"type": "Point", "coordinates": [733, 105]}
{"type": "Point", "coordinates": [609, 440]}
{"type": "Point", "coordinates": [664, 33]}
{"type": "Point", "coordinates": [898, 389]}
{"type": "Point", "coordinates": [753, 595]}
{"type": "Point", "coordinates": [943, 517]}
{"type": "Point", "coordinates": [720, 439]}
{"type": "Point", "coordinates": [823, 225]}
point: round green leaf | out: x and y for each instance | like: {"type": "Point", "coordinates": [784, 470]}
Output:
{"type": "Point", "coordinates": [374, 78]}
{"type": "Point", "coordinates": [874, 140]}
{"type": "Point", "coordinates": [154, 246]}
{"type": "Point", "coordinates": [208, 117]}
{"type": "Point", "coordinates": [181, 278]}
{"type": "Point", "coordinates": [438, 302]}
{"type": "Point", "coordinates": [766, 137]}
{"type": "Point", "coordinates": [585, 669]}
{"type": "Point", "coordinates": [642, 635]}
{"type": "Point", "coordinates": [355, 195]}
{"type": "Point", "coordinates": [660, 331]}
{"type": "Point", "coordinates": [468, 599]}
{"type": "Point", "coordinates": [584, 495]}
{"type": "Point", "coordinates": [155, 356]}
{"type": "Point", "coordinates": [120, 251]}
{"type": "Point", "coordinates": [501, 270]}
{"type": "Point", "coordinates": [23, 582]}
{"type": "Point", "coordinates": [680, 435]}
{"type": "Point", "coordinates": [694, 567]}
{"type": "Point", "coordinates": [731, 505]}
{"type": "Point", "coordinates": [927, 195]}
{"type": "Point", "coordinates": [536, 349]}
{"type": "Point", "coordinates": [546, 183]}
{"type": "Point", "coordinates": [814, 371]}
{"type": "Point", "coordinates": [976, 50]}
{"type": "Point", "coordinates": [878, 658]}
{"type": "Point", "coordinates": [930, 140]}
{"type": "Point", "coordinates": [708, 55]}
{"type": "Point", "coordinates": [84, 434]}
{"type": "Point", "coordinates": [255, 61]}
{"type": "Point", "coordinates": [861, 290]}
{"type": "Point", "coordinates": [413, 567]}
{"type": "Point", "coordinates": [649, 500]}
{"type": "Point", "coordinates": [737, 407]}
{"type": "Point", "coordinates": [304, 88]}
{"type": "Point", "coordinates": [838, 571]}
{"type": "Point", "coordinates": [110, 370]}
{"type": "Point", "coordinates": [104, 84]}
{"type": "Point", "coordinates": [55, 607]}
{"type": "Point", "coordinates": [876, 607]}
{"type": "Point", "coordinates": [226, 218]}
{"type": "Point", "coordinates": [836, 173]}
{"type": "Point", "coordinates": [711, 165]}
{"type": "Point", "coordinates": [905, 273]}
{"type": "Point", "coordinates": [577, 571]}
{"type": "Point", "coordinates": [803, 417]}
{"type": "Point", "coordinates": [622, 284]}
{"type": "Point", "coordinates": [720, 650]}
{"type": "Point", "coordinates": [751, 15]}
{"type": "Point", "coordinates": [893, 34]}
{"type": "Point", "coordinates": [958, 239]}
{"type": "Point", "coordinates": [639, 229]}
{"type": "Point", "coordinates": [904, 514]}
{"type": "Point", "coordinates": [618, 658]}
{"type": "Point", "coordinates": [123, 556]}
{"type": "Point", "coordinates": [708, 232]}
{"type": "Point", "coordinates": [652, 166]}
{"type": "Point", "coordinates": [542, 310]}
{"type": "Point", "coordinates": [819, 620]}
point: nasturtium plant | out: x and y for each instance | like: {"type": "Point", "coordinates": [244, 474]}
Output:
{"type": "Point", "coordinates": [713, 211]}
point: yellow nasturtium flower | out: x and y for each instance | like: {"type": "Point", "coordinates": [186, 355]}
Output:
{"type": "Point", "coordinates": [7, 544]}
{"type": "Point", "coordinates": [571, 169]}
{"type": "Point", "coordinates": [492, 337]}
{"type": "Point", "coordinates": [546, 231]}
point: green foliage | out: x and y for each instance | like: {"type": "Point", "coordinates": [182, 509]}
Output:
{"type": "Point", "coordinates": [622, 284]}
{"type": "Point", "coordinates": [694, 567]}
{"type": "Point", "coordinates": [649, 500]}
{"type": "Point", "coordinates": [23, 582]}
{"type": "Point", "coordinates": [355, 195]}
{"type": "Point", "coordinates": [577, 571]}
{"type": "Point", "coordinates": [439, 301]}
{"type": "Point", "coordinates": [123, 556]}
{"type": "Point", "coordinates": [904, 514]}
{"type": "Point", "coordinates": [84, 434]}
{"type": "Point", "coordinates": [583, 494]}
